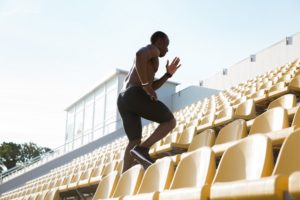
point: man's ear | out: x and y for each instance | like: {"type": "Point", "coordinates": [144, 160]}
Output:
{"type": "Point", "coordinates": [160, 41]}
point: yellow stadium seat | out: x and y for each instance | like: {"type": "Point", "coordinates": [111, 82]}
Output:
{"type": "Point", "coordinates": [64, 185]}
{"type": "Point", "coordinates": [288, 162]}
{"type": "Point", "coordinates": [194, 122]}
{"type": "Point", "coordinates": [241, 165]}
{"type": "Point", "coordinates": [72, 185]}
{"type": "Point", "coordinates": [260, 96]}
{"type": "Point", "coordinates": [129, 182]}
{"type": "Point", "coordinates": [294, 184]}
{"type": "Point", "coordinates": [266, 85]}
{"type": "Point", "coordinates": [153, 148]}
{"type": "Point", "coordinates": [274, 119]}
{"type": "Point", "coordinates": [286, 101]}
{"type": "Point", "coordinates": [277, 90]}
{"type": "Point", "coordinates": [170, 138]}
{"type": "Point", "coordinates": [229, 135]}
{"type": "Point", "coordinates": [52, 195]}
{"type": "Point", "coordinates": [238, 101]}
{"type": "Point", "coordinates": [42, 195]}
{"type": "Point", "coordinates": [296, 119]}
{"type": "Point", "coordinates": [96, 175]}
{"type": "Point", "coordinates": [192, 177]}
{"type": "Point", "coordinates": [225, 116]}
{"type": "Point", "coordinates": [85, 178]}
{"type": "Point", "coordinates": [157, 178]}
{"type": "Point", "coordinates": [102, 171]}
{"type": "Point", "coordinates": [295, 84]}
{"type": "Point", "coordinates": [245, 110]}
{"type": "Point", "coordinates": [181, 145]}
{"type": "Point", "coordinates": [250, 91]}
{"type": "Point", "coordinates": [282, 130]}
{"type": "Point", "coordinates": [203, 139]}
{"type": "Point", "coordinates": [286, 78]}
{"type": "Point", "coordinates": [206, 122]}
{"type": "Point", "coordinates": [106, 186]}
{"type": "Point", "coordinates": [119, 166]}
{"type": "Point", "coordinates": [273, 187]}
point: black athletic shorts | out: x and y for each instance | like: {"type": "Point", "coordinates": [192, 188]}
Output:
{"type": "Point", "coordinates": [135, 103]}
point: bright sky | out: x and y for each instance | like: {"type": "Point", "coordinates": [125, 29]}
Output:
{"type": "Point", "coordinates": [53, 51]}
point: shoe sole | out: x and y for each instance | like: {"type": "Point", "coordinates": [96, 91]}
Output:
{"type": "Point", "coordinates": [140, 160]}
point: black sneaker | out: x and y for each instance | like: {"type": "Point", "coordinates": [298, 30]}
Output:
{"type": "Point", "coordinates": [141, 154]}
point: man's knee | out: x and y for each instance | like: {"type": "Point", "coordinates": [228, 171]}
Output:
{"type": "Point", "coordinates": [172, 123]}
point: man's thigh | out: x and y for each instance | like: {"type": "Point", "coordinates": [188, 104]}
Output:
{"type": "Point", "coordinates": [132, 126]}
{"type": "Point", "coordinates": [156, 111]}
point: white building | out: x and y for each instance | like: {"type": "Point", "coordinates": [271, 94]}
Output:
{"type": "Point", "coordinates": [278, 54]}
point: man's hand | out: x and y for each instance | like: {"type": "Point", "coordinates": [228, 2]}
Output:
{"type": "Point", "coordinates": [171, 69]}
{"type": "Point", "coordinates": [149, 90]}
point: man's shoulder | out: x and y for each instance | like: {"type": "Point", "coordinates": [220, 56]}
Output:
{"type": "Point", "coordinates": [149, 49]}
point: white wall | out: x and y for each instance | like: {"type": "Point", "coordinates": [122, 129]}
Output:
{"type": "Point", "coordinates": [266, 60]}
{"type": "Point", "coordinates": [190, 95]}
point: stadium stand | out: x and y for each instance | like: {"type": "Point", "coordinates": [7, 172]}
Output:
{"type": "Point", "coordinates": [223, 147]}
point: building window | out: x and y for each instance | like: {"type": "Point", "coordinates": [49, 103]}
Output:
{"type": "Point", "coordinates": [289, 40]}
{"type": "Point", "coordinates": [111, 106]}
{"type": "Point", "coordinates": [252, 58]}
{"type": "Point", "coordinates": [201, 83]}
{"type": "Point", "coordinates": [88, 114]}
{"type": "Point", "coordinates": [70, 125]}
{"type": "Point", "coordinates": [79, 120]}
{"type": "Point", "coordinates": [99, 110]}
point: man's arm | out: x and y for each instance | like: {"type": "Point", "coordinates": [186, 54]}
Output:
{"type": "Point", "coordinates": [158, 83]}
{"type": "Point", "coordinates": [170, 70]}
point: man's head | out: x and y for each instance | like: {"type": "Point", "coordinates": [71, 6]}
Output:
{"type": "Point", "coordinates": [161, 41]}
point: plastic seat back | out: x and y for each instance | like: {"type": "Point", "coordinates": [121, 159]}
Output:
{"type": "Point", "coordinates": [129, 181]}
{"type": "Point", "coordinates": [246, 110]}
{"type": "Point", "coordinates": [106, 186]}
{"type": "Point", "coordinates": [259, 93]}
{"type": "Point", "coordinates": [208, 119]}
{"type": "Point", "coordinates": [158, 176]}
{"type": "Point", "coordinates": [225, 112]}
{"type": "Point", "coordinates": [195, 170]}
{"type": "Point", "coordinates": [295, 83]}
{"type": "Point", "coordinates": [109, 167]}
{"type": "Point", "coordinates": [86, 174]}
{"type": "Point", "coordinates": [288, 159]}
{"type": "Point", "coordinates": [251, 158]}
{"type": "Point", "coordinates": [296, 119]}
{"type": "Point", "coordinates": [205, 138]}
{"type": "Point", "coordinates": [173, 137]}
{"type": "Point", "coordinates": [272, 120]}
{"type": "Point", "coordinates": [286, 101]}
{"type": "Point", "coordinates": [277, 86]}
{"type": "Point", "coordinates": [187, 135]}
{"type": "Point", "coordinates": [233, 131]}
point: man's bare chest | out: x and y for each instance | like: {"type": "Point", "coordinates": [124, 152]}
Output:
{"type": "Point", "coordinates": [154, 63]}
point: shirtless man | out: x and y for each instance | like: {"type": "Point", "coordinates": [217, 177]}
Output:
{"type": "Point", "coordinates": [138, 99]}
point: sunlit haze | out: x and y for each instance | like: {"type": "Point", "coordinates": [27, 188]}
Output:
{"type": "Point", "coordinates": [51, 52]}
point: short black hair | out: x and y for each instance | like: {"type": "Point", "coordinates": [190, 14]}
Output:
{"type": "Point", "coordinates": [158, 35]}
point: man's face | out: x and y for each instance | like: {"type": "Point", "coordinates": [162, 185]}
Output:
{"type": "Point", "coordinates": [164, 43]}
